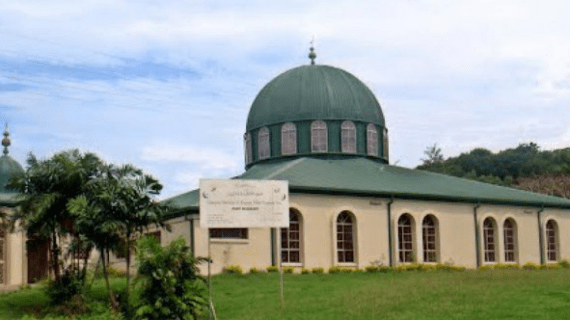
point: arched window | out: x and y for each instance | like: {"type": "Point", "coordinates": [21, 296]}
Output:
{"type": "Point", "coordinates": [2, 257]}
{"type": "Point", "coordinates": [291, 239]}
{"type": "Point", "coordinates": [429, 237]}
{"type": "Point", "coordinates": [489, 239]}
{"type": "Point", "coordinates": [405, 239]}
{"type": "Point", "coordinates": [385, 144]}
{"type": "Point", "coordinates": [248, 152]}
{"type": "Point", "coordinates": [510, 240]}
{"type": "Point", "coordinates": [348, 137]}
{"type": "Point", "coordinates": [551, 241]}
{"type": "Point", "coordinates": [345, 237]}
{"type": "Point", "coordinates": [371, 140]}
{"type": "Point", "coordinates": [319, 136]}
{"type": "Point", "coordinates": [263, 143]}
{"type": "Point", "coordinates": [288, 139]}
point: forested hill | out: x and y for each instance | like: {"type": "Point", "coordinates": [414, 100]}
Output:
{"type": "Point", "coordinates": [524, 167]}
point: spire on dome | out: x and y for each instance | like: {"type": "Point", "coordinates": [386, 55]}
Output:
{"type": "Point", "coordinates": [312, 54]}
{"type": "Point", "coordinates": [6, 141]}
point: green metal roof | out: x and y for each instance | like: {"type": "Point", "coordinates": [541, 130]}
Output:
{"type": "Point", "coordinates": [314, 92]}
{"type": "Point", "coordinates": [8, 167]}
{"type": "Point", "coordinates": [361, 176]}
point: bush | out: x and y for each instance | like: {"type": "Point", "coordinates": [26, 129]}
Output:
{"type": "Point", "coordinates": [372, 268]}
{"type": "Point", "coordinates": [233, 269]}
{"type": "Point", "coordinates": [530, 266]}
{"type": "Point", "coordinates": [485, 267]}
{"type": "Point", "coordinates": [552, 266]}
{"type": "Point", "coordinates": [426, 267]}
{"type": "Point", "coordinates": [506, 266]}
{"type": "Point", "coordinates": [305, 271]}
{"type": "Point", "coordinates": [318, 270]}
{"type": "Point", "coordinates": [288, 270]}
{"type": "Point", "coordinates": [346, 270]}
{"type": "Point", "coordinates": [168, 283]}
{"type": "Point", "coordinates": [70, 285]}
{"type": "Point", "coordinates": [272, 269]}
{"type": "Point", "coordinates": [335, 269]}
{"type": "Point", "coordinates": [564, 264]}
{"type": "Point", "coordinates": [254, 270]}
{"type": "Point", "coordinates": [358, 270]}
{"type": "Point", "coordinates": [383, 269]}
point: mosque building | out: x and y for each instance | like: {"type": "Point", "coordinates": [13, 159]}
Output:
{"type": "Point", "coordinates": [322, 130]}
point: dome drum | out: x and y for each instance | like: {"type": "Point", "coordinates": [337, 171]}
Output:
{"type": "Point", "coordinates": [303, 141]}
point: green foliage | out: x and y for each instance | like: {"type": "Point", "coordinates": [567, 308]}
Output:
{"type": "Point", "coordinates": [271, 269]}
{"type": "Point", "coordinates": [168, 282]}
{"type": "Point", "coordinates": [427, 267]}
{"type": "Point", "coordinates": [288, 270]}
{"type": "Point", "coordinates": [233, 269]}
{"type": "Point", "coordinates": [318, 270]}
{"type": "Point", "coordinates": [564, 264]}
{"type": "Point", "coordinates": [334, 269]}
{"type": "Point", "coordinates": [551, 266]}
{"type": "Point", "coordinates": [305, 270]}
{"type": "Point", "coordinates": [531, 266]}
{"type": "Point", "coordinates": [372, 268]}
{"type": "Point", "coordinates": [255, 270]}
{"type": "Point", "coordinates": [62, 292]}
{"type": "Point", "coordinates": [506, 266]}
{"type": "Point", "coordinates": [485, 267]}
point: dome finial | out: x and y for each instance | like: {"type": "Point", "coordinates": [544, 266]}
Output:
{"type": "Point", "coordinates": [6, 140]}
{"type": "Point", "coordinates": [312, 54]}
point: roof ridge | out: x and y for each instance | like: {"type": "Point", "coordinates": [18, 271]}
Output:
{"type": "Point", "coordinates": [286, 167]}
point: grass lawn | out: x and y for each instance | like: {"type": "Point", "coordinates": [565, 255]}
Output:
{"type": "Point", "coordinates": [493, 294]}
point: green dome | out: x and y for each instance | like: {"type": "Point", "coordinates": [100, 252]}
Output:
{"type": "Point", "coordinates": [313, 92]}
{"type": "Point", "coordinates": [8, 167]}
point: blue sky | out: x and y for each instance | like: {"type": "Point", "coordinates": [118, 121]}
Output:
{"type": "Point", "coordinates": [167, 85]}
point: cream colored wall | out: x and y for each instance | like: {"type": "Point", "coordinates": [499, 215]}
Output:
{"type": "Point", "coordinates": [456, 232]}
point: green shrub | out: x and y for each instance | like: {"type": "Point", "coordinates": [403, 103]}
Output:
{"type": "Point", "coordinates": [254, 270]}
{"type": "Point", "coordinates": [233, 269]}
{"type": "Point", "coordinates": [288, 270]}
{"type": "Point", "coordinates": [531, 266]}
{"type": "Point", "coordinates": [426, 267]}
{"type": "Point", "coordinates": [372, 268]}
{"type": "Point", "coordinates": [271, 269]}
{"type": "Point", "coordinates": [346, 270]}
{"type": "Point", "coordinates": [318, 270]}
{"type": "Point", "coordinates": [485, 267]}
{"type": "Point", "coordinates": [168, 282]}
{"type": "Point", "coordinates": [399, 268]}
{"type": "Point", "coordinates": [553, 266]}
{"type": "Point", "coordinates": [506, 266]}
{"type": "Point", "coordinates": [358, 270]}
{"type": "Point", "coordinates": [457, 268]}
{"type": "Point", "coordinates": [305, 270]}
{"type": "Point", "coordinates": [70, 285]}
{"type": "Point", "coordinates": [383, 269]}
{"type": "Point", "coordinates": [334, 269]}
{"type": "Point", "coordinates": [411, 267]}
{"type": "Point", "coordinates": [564, 264]}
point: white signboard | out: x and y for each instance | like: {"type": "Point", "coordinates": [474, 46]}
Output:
{"type": "Point", "coordinates": [244, 204]}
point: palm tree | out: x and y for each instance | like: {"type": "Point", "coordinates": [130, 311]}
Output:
{"type": "Point", "coordinates": [117, 207]}
{"type": "Point", "coordinates": [45, 189]}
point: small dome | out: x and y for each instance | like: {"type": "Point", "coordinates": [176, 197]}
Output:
{"type": "Point", "coordinates": [8, 167]}
{"type": "Point", "coordinates": [312, 92]}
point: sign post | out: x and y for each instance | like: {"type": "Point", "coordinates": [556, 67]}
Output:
{"type": "Point", "coordinates": [244, 204]}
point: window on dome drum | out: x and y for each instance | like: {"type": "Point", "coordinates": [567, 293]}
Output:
{"type": "Point", "coordinates": [551, 241]}
{"type": "Point", "coordinates": [429, 237]}
{"type": "Point", "coordinates": [510, 240]}
{"type": "Point", "coordinates": [248, 152]}
{"type": "Point", "coordinates": [263, 143]}
{"type": "Point", "coordinates": [291, 239]}
{"type": "Point", "coordinates": [2, 257]}
{"type": "Point", "coordinates": [348, 137]}
{"type": "Point", "coordinates": [228, 233]}
{"type": "Point", "coordinates": [385, 144]}
{"type": "Point", "coordinates": [319, 136]}
{"type": "Point", "coordinates": [288, 139]}
{"type": "Point", "coordinates": [489, 240]}
{"type": "Point", "coordinates": [345, 237]}
{"type": "Point", "coordinates": [371, 140]}
{"type": "Point", "coordinates": [405, 239]}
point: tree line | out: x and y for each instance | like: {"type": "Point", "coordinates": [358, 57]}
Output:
{"type": "Point", "coordinates": [525, 167]}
